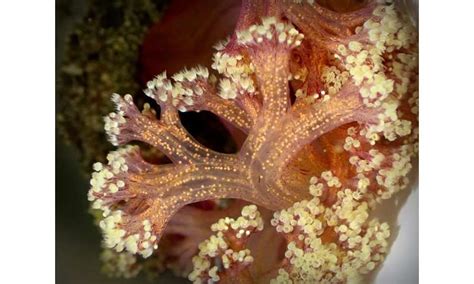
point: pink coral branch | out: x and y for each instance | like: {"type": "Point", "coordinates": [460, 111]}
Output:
{"type": "Point", "coordinates": [193, 90]}
{"type": "Point", "coordinates": [168, 135]}
{"type": "Point", "coordinates": [132, 192]}
{"type": "Point", "coordinates": [306, 124]}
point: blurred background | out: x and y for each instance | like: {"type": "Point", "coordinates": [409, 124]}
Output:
{"type": "Point", "coordinates": [77, 239]}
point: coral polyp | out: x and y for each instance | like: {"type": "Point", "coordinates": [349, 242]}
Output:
{"type": "Point", "coordinates": [329, 104]}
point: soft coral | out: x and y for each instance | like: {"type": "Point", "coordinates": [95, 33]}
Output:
{"type": "Point", "coordinates": [351, 124]}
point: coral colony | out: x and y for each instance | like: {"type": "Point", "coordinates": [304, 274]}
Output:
{"type": "Point", "coordinates": [329, 104]}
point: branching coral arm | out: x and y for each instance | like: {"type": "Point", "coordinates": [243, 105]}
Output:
{"type": "Point", "coordinates": [138, 198]}
{"type": "Point", "coordinates": [128, 124]}
{"type": "Point", "coordinates": [304, 125]}
{"type": "Point", "coordinates": [269, 46]}
{"type": "Point", "coordinates": [311, 122]}
{"type": "Point", "coordinates": [230, 112]}
{"type": "Point", "coordinates": [194, 90]}
{"type": "Point", "coordinates": [237, 82]}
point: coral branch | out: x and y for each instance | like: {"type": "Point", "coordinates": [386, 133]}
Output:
{"type": "Point", "coordinates": [238, 84]}
{"type": "Point", "coordinates": [229, 111]}
{"type": "Point", "coordinates": [269, 46]}
{"type": "Point", "coordinates": [193, 90]}
{"type": "Point", "coordinates": [308, 123]}
{"type": "Point", "coordinates": [138, 199]}
{"type": "Point", "coordinates": [128, 124]}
